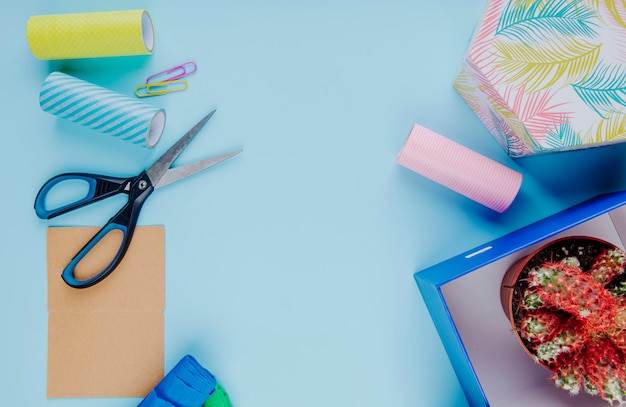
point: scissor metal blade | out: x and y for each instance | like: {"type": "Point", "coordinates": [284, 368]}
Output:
{"type": "Point", "coordinates": [163, 164]}
{"type": "Point", "coordinates": [184, 171]}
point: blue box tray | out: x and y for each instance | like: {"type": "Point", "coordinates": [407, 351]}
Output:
{"type": "Point", "coordinates": [463, 297]}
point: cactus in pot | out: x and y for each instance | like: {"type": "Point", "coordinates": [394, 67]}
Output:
{"type": "Point", "coordinates": [570, 314]}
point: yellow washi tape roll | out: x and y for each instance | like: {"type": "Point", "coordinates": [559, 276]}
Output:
{"type": "Point", "coordinates": [90, 35]}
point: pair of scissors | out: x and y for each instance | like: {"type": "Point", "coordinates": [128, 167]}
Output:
{"type": "Point", "coordinates": [138, 189]}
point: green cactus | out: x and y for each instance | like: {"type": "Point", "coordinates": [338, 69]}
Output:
{"type": "Point", "coordinates": [608, 266]}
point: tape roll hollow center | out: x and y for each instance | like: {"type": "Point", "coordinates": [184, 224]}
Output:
{"type": "Point", "coordinates": [157, 124]}
{"type": "Point", "coordinates": [147, 31]}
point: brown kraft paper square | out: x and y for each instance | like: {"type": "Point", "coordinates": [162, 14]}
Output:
{"type": "Point", "coordinates": [106, 340]}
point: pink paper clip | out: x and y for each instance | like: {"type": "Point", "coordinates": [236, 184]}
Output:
{"type": "Point", "coordinates": [174, 73]}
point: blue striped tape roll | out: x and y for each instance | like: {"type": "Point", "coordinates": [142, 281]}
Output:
{"type": "Point", "coordinates": [101, 109]}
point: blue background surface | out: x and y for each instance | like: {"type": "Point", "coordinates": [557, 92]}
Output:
{"type": "Point", "coordinates": [289, 270]}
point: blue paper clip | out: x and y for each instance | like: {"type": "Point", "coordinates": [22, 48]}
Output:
{"type": "Point", "coordinates": [174, 73]}
{"type": "Point", "coordinates": [160, 88]}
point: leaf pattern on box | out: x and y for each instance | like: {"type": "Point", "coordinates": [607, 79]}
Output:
{"type": "Point", "coordinates": [517, 129]}
{"type": "Point", "coordinates": [612, 16]}
{"type": "Point", "coordinates": [536, 111]}
{"type": "Point", "coordinates": [612, 5]}
{"type": "Point", "coordinates": [562, 137]}
{"type": "Point", "coordinates": [617, 10]}
{"type": "Point", "coordinates": [604, 90]}
{"type": "Point", "coordinates": [546, 42]}
{"type": "Point", "coordinates": [540, 20]}
{"type": "Point", "coordinates": [481, 48]}
{"type": "Point", "coordinates": [464, 85]}
{"type": "Point", "coordinates": [498, 106]}
{"type": "Point", "coordinates": [515, 147]}
{"type": "Point", "coordinates": [549, 75]}
{"type": "Point", "coordinates": [613, 128]}
{"type": "Point", "coordinates": [546, 65]}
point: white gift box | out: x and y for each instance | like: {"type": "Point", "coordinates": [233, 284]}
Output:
{"type": "Point", "coordinates": [548, 75]}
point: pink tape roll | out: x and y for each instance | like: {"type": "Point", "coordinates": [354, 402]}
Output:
{"type": "Point", "coordinates": [460, 169]}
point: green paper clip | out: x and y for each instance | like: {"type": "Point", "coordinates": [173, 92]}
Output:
{"type": "Point", "coordinates": [160, 88]}
{"type": "Point", "coordinates": [219, 398]}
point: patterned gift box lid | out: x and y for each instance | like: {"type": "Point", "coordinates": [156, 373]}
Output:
{"type": "Point", "coordinates": [548, 75]}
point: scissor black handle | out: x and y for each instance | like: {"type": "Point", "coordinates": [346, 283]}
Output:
{"type": "Point", "coordinates": [99, 187]}
{"type": "Point", "coordinates": [124, 221]}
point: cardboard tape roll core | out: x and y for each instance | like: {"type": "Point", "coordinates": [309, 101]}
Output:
{"type": "Point", "coordinates": [90, 35]}
{"type": "Point", "coordinates": [460, 169]}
